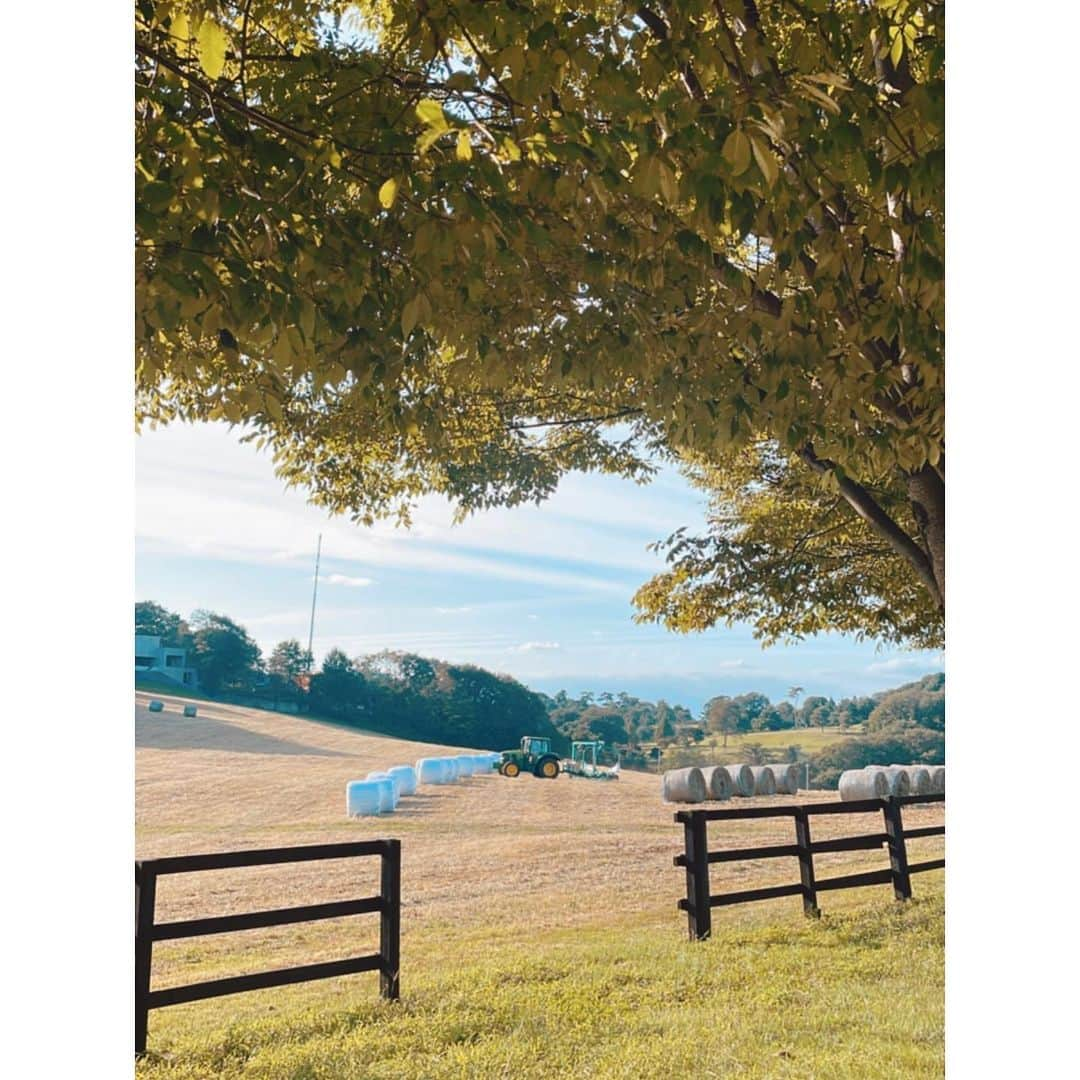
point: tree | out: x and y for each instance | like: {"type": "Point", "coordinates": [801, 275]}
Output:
{"type": "Point", "coordinates": [755, 753]}
{"type": "Point", "coordinates": [155, 621]}
{"type": "Point", "coordinates": [289, 659]}
{"type": "Point", "coordinates": [466, 248]}
{"type": "Point", "coordinates": [224, 654]}
{"type": "Point", "coordinates": [664, 729]}
{"type": "Point", "coordinates": [720, 714]}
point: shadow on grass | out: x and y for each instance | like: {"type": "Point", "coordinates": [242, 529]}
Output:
{"type": "Point", "coordinates": [169, 731]}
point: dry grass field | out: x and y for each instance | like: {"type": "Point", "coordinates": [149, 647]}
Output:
{"type": "Point", "coordinates": [499, 871]}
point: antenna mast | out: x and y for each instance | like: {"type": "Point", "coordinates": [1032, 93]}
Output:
{"type": "Point", "coordinates": [314, 593]}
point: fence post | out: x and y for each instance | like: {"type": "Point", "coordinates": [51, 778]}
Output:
{"type": "Point", "coordinates": [145, 889]}
{"type": "Point", "coordinates": [697, 876]}
{"type": "Point", "coordinates": [390, 921]}
{"type": "Point", "coordinates": [898, 861]}
{"type": "Point", "coordinates": [806, 863]}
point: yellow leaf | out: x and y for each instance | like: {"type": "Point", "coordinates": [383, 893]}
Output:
{"type": "Point", "coordinates": [388, 193]}
{"type": "Point", "coordinates": [431, 113]}
{"type": "Point", "coordinates": [179, 27]}
{"type": "Point", "coordinates": [212, 42]}
{"type": "Point", "coordinates": [464, 146]}
{"type": "Point", "coordinates": [736, 152]}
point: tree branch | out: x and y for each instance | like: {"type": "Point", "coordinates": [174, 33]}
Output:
{"type": "Point", "coordinates": [864, 504]}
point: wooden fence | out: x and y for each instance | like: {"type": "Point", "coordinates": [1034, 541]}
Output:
{"type": "Point", "coordinates": [387, 904]}
{"type": "Point", "coordinates": [697, 857]}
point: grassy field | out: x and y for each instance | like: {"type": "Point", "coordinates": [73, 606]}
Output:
{"type": "Point", "coordinates": [540, 935]}
{"type": "Point", "coordinates": [810, 740]}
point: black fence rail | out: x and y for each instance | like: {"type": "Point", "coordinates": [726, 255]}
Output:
{"type": "Point", "coordinates": [697, 858]}
{"type": "Point", "coordinates": [387, 904]}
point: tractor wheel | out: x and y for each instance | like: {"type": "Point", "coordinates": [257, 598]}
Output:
{"type": "Point", "coordinates": [548, 769]}
{"type": "Point", "coordinates": [510, 768]}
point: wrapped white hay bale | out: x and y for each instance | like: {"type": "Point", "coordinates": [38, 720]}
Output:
{"type": "Point", "coordinates": [856, 784]}
{"type": "Point", "coordinates": [405, 777]}
{"type": "Point", "coordinates": [717, 782]}
{"type": "Point", "coordinates": [362, 798]}
{"type": "Point", "coordinates": [450, 770]}
{"type": "Point", "coordinates": [429, 770]}
{"type": "Point", "coordinates": [466, 764]}
{"type": "Point", "coordinates": [937, 780]}
{"type": "Point", "coordinates": [190, 710]}
{"type": "Point", "coordinates": [764, 780]}
{"type": "Point", "coordinates": [899, 781]}
{"type": "Point", "coordinates": [385, 787]}
{"type": "Point", "coordinates": [787, 779]}
{"type": "Point", "coordinates": [383, 775]}
{"type": "Point", "coordinates": [684, 786]}
{"type": "Point", "coordinates": [156, 706]}
{"type": "Point", "coordinates": [742, 779]}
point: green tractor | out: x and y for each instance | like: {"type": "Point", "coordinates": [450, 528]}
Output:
{"type": "Point", "coordinates": [535, 756]}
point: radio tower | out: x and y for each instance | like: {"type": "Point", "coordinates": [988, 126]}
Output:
{"type": "Point", "coordinates": [314, 594]}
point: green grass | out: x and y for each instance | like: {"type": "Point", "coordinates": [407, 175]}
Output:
{"type": "Point", "coordinates": [856, 995]}
{"type": "Point", "coordinates": [809, 739]}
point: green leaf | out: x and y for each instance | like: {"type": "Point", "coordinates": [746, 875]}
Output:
{"type": "Point", "coordinates": [212, 42]}
{"type": "Point", "coordinates": [897, 50]}
{"type": "Point", "coordinates": [388, 193]}
{"type": "Point", "coordinates": [410, 313]}
{"type": "Point", "coordinates": [736, 152]}
{"type": "Point", "coordinates": [464, 146]}
{"type": "Point", "coordinates": [765, 160]}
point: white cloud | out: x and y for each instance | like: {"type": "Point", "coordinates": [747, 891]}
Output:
{"type": "Point", "coordinates": [532, 618]}
{"type": "Point", "coordinates": [536, 646]}
{"type": "Point", "coordinates": [924, 664]}
{"type": "Point", "coordinates": [453, 610]}
{"type": "Point", "coordinates": [344, 579]}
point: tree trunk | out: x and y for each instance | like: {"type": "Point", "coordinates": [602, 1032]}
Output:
{"type": "Point", "coordinates": [926, 489]}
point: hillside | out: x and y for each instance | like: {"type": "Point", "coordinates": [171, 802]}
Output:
{"type": "Point", "coordinates": [507, 884]}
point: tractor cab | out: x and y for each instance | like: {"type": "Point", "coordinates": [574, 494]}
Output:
{"type": "Point", "coordinates": [535, 756]}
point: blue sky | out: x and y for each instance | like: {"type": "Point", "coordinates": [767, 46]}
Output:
{"type": "Point", "coordinates": [541, 593]}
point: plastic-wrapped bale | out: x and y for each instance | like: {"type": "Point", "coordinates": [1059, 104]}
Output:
{"type": "Point", "coordinates": [764, 780]}
{"type": "Point", "coordinates": [684, 786]}
{"type": "Point", "coordinates": [429, 770]}
{"type": "Point", "coordinates": [717, 782]}
{"type": "Point", "coordinates": [156, 706]}
{"type": "Point", "coordinates": [856, 784]}
{"type": "Point", "coordinates": [466, 764]}
{"type": "Point", "coordinates": [405, 778]}
{"type": "Point", "coordinates": [919, 778]}
{"type": "Point", "coordinates": [362, 798]}
{"type": "Point", "coordinates": [395, 790]}
{"type": "Point", "coordinates": [190, 710]}
{"type": "Point", "coordinates": [787, 779]}
{"type": "Point", "coordinates": [899, 781]}
{"type": "Point", "coordinates": [387, 802]}
{"type": "Point", "coordinates": [481, 767]}
{"type": "Point", "coordinates": [937, 780]}
{"type": "Point", "coordinates": [450, 770]}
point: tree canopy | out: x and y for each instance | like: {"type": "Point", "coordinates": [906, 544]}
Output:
{"type": "Point", "coordinates": [464, 248]}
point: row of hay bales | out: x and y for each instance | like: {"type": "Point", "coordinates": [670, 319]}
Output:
{"type": "Point", "coordinates": [882, 781]}
{"type": "Point", "coordinates": [159, 706]}
{"type": "Point", "coordinates": [381, 791]}
{"type": "Point", "coordinates": [719, 782]}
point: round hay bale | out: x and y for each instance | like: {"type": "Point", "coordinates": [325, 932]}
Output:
{"type": "Point", "coordinates": [466, 764]}
{"type": "Point", "coordinates": [856, 784]}
{"type": "Point", "coordinates": [387, 802]}
{"type": "Point", "coordinates": [362, 798]}
{"type": "Point", "coordinates": [405, 776]}
{"type": "Point", "coordinates": [684, 786]}
{"type": "Point", "coordinates": [899, 781]}
{"type": "Point", "coordinates": [937, 779]}
{"type": "Point", "coordinates": [919, 776]}
{"type": "Point", "coordinates": [190, 710]}
{"type": "Point", "coordinates": [764, 780]}
{"type": "Point", "coordinates": [156, 706]}
{"type": "Point", "coordinates": [787, 779]}
{"type": "Point", "coordinates": [717, 782]}
{"type": "Point", "coordinates": [742, 779]}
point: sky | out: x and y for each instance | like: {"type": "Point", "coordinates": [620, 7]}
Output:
{"type": "Point", "coordinates": [539, 593]}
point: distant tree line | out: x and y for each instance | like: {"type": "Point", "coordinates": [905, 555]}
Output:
{"type": "Point", "coordinates": [394, 693]}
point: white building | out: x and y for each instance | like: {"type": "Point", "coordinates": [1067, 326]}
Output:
{"type": "Point", "coordinates": [153, 658]}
